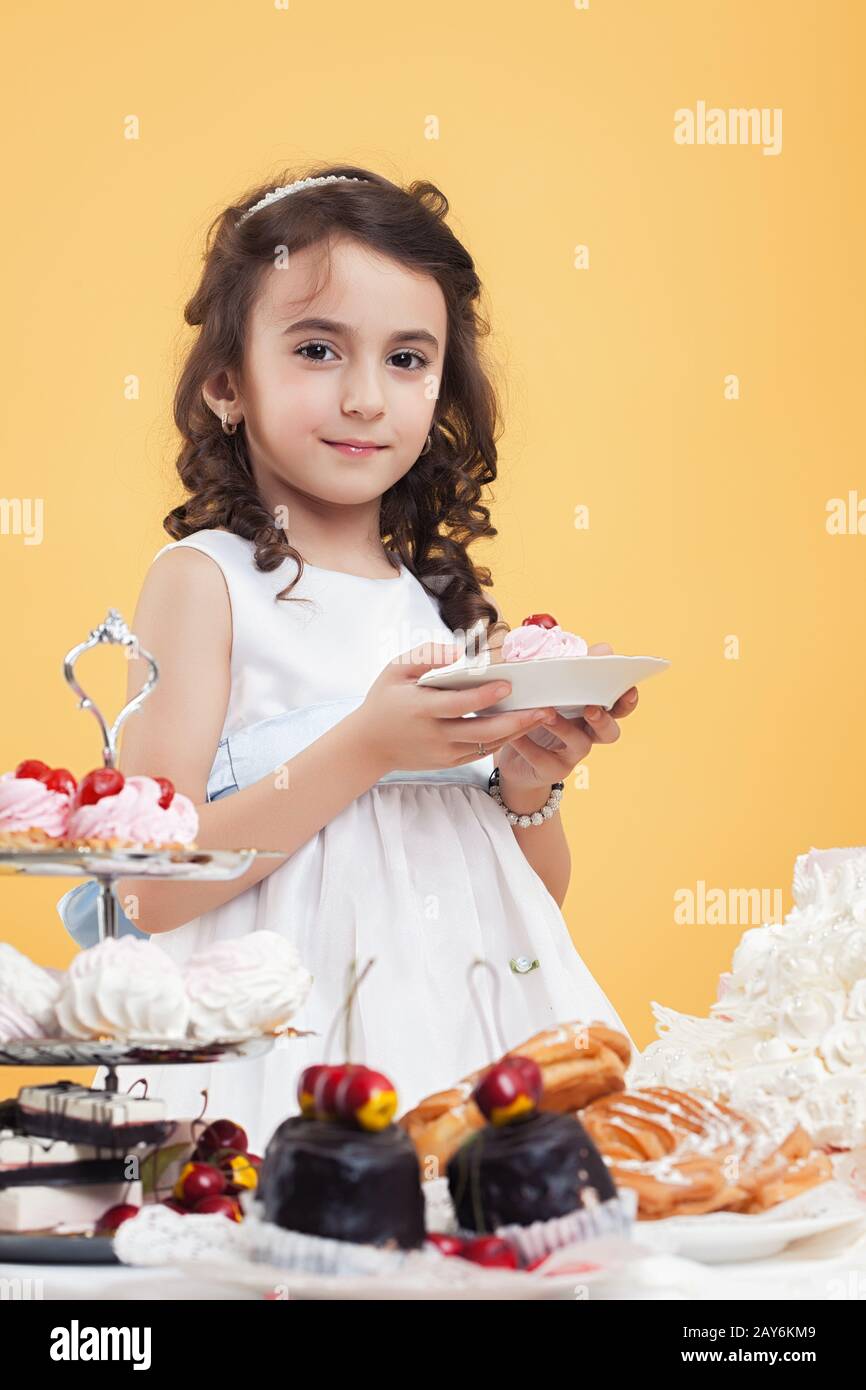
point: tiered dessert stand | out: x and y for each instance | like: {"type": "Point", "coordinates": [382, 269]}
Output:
{"type": "Point", "coordinates": [107, 866]}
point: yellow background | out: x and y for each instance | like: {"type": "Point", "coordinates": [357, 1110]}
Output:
{"type": "Point", "coordinates": [707, 516]}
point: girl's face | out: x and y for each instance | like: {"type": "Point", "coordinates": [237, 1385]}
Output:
{"type": "Point", "coordinates": [361, 361]}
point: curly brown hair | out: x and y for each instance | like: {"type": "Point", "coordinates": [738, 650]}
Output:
{"type": "Point", "coordinates": [428, 517]}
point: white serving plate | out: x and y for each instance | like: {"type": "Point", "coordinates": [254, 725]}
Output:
{"type": "Point", "coordinates": [569, 683]}
{"type": "Point", "coordinates": [725, 1236]}
{"type": "Point", "coordinates": [573, 1272]}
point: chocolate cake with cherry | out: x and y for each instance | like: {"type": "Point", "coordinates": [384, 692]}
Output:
{"type": "Point", "coordinates": [526, 1164]}
{"type": "Point", "coordinates": [342, 1169]}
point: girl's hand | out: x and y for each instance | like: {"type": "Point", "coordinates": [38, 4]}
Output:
{"type": "Point", "coordinates": [524, 764]}
{"type": "Point", "coordinates": [408, 726]}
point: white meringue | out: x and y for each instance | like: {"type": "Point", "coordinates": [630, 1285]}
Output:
{"type": "Point", "coordinates": [29, 987]}
{"type": "Point", "coordinates": [244, 986]}
{"type": "Point", "coordinates": [786, 1036]}
{"type": "Point", "coordinates": [124, 988]}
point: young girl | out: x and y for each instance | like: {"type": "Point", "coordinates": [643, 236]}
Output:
{"type": "Point", "coordinates": [338, 427]}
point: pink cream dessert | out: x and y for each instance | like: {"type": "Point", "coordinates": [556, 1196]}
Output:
{"type": "Point", "coordinates": [35, 801]}
{"type": "Point", "coordinates": [111, 811]}
{"type": "Point", "coordinates": [539, 638]}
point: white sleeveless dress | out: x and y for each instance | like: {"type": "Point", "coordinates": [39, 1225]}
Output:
{"type": "Point", "coordinates": [422, 871]}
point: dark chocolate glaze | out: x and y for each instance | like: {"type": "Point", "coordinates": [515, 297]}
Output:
{"type": "Point", "coordinates": [533, 1169]}
{"type": "Point", "coordinates": [327, 1178]}
{"type": "Point", "coordinates": [56, 1123]}
{"type": "Point", "coordinates": [85, 1170]}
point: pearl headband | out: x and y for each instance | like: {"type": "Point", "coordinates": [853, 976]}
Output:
{"type": "Point", "coordinates": [288, 188]}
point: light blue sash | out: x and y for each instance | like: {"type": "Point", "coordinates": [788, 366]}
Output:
{"type": "Point", "coordinates": [246, 757]}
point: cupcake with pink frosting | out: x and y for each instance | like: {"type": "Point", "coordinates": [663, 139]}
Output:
{"type": "Point", "coordinates": [111, 811]}
{"type": "Point", "coordinates": [35, 801]}
{"type": "Point", "coordinates": [539, 638]}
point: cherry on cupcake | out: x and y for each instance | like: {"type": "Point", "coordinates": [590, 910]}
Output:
{"type": "Point", "coordinates": [103, 781]}
{"type": "Point", "coordinates": [365, 1096]}
{"type": "Point", "coordinates": [60, 779]}
{"type": "Point", "coordinates": [539, 620]}
{"type": "Point", "coordinates": [508, 1090]}
{"type": "Point", "coordinates": [115, 1216]}
{"type": "Point", "coordinates": [56, 779]}
{"type": "Point", "coordinates": [531, 1073]}
{"type": "Point", "coordinates": [325, 1091]}
{"type": "Point", "coordinates": [35, 768]}
{"type": "Point", "coordinates": [167, 792]}
{"type": "Point", "coordinates": [306, 1092]}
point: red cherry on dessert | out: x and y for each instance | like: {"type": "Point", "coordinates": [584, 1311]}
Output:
{"type": "Point", "coordinates": [307, 1088]}
{"type": "Point", "coordinates": [367, 1097]}
{"type": "Point", "coordinates": [240, 1173]}
{"type": "Point", "coordinates": [325, 1091]}
{"type": "Point", "coordinates": [225, 1206]}
{"type": "Point", "coordinates": [103, 781]}
{"type": "Point", "coordinates": [448, 1244]}
{"type": "Point", "coordinates": [539, 620]}
{"type": "Point", "coordinates": [35, 768]}
{"type": "Point", "coordinates": [492, 1251]}
{"type": "Point", "coordinates": [167, 792]}
{"type": "Point", "coordinates": [174, 1205]}
{"type": "Point", "coordinates": [114, 1217]}
{"type": "Point", "coordinates": [198, 1180]}
{"type": "Point", "coordinates": [221, 1135]}
{"type": "Point", "coordinates": [531, 1073]}
{"type": "Point", "coordinates": [502, 1094]}
{"type": "Point", "coordinates": [60, 779]}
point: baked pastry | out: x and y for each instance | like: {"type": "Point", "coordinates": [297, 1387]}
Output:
{"type": "Point", "coordinates": [531, 1177]}
{"type": "Point", "coordinates": [110, 811]}
{"type": "Point", "coordinates": [341, 1169]}
{"type": "Point", "coordinates": [685, 1154]}
{"type": "Point", "coordinates": [578, 1062]}
{"type": "Point", "coordinates": [34, 805]}
{"type": "Point", "coordinates": [539, 638]}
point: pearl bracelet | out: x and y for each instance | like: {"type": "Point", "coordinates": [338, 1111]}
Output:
{"type": "Point", "coordinates": [550, 807]}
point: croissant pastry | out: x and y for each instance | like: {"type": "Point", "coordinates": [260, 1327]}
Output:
{"type": "Point", "coordinates": [579, 1061]}
{"type": "Point", "coordinates": [685, 1154]}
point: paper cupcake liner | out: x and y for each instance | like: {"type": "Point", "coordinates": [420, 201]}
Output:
{"type": "Point", "coordinates": [309, 1254]}
{"type": "Point", "coordinates": [615, 1216]}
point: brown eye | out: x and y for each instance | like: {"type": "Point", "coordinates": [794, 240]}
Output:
{"type": "Point", "coordinates": [304, 346]}
{"type": "Point", "coordinates": [410, 352]}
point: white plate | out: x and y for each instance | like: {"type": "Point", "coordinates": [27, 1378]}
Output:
{"type": "Point", "coordinates": [719, 1237]}
{"type": "Point", "coordinates": [573, 1271]}
{"type": "Point", "coordinates": [569, 683]}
